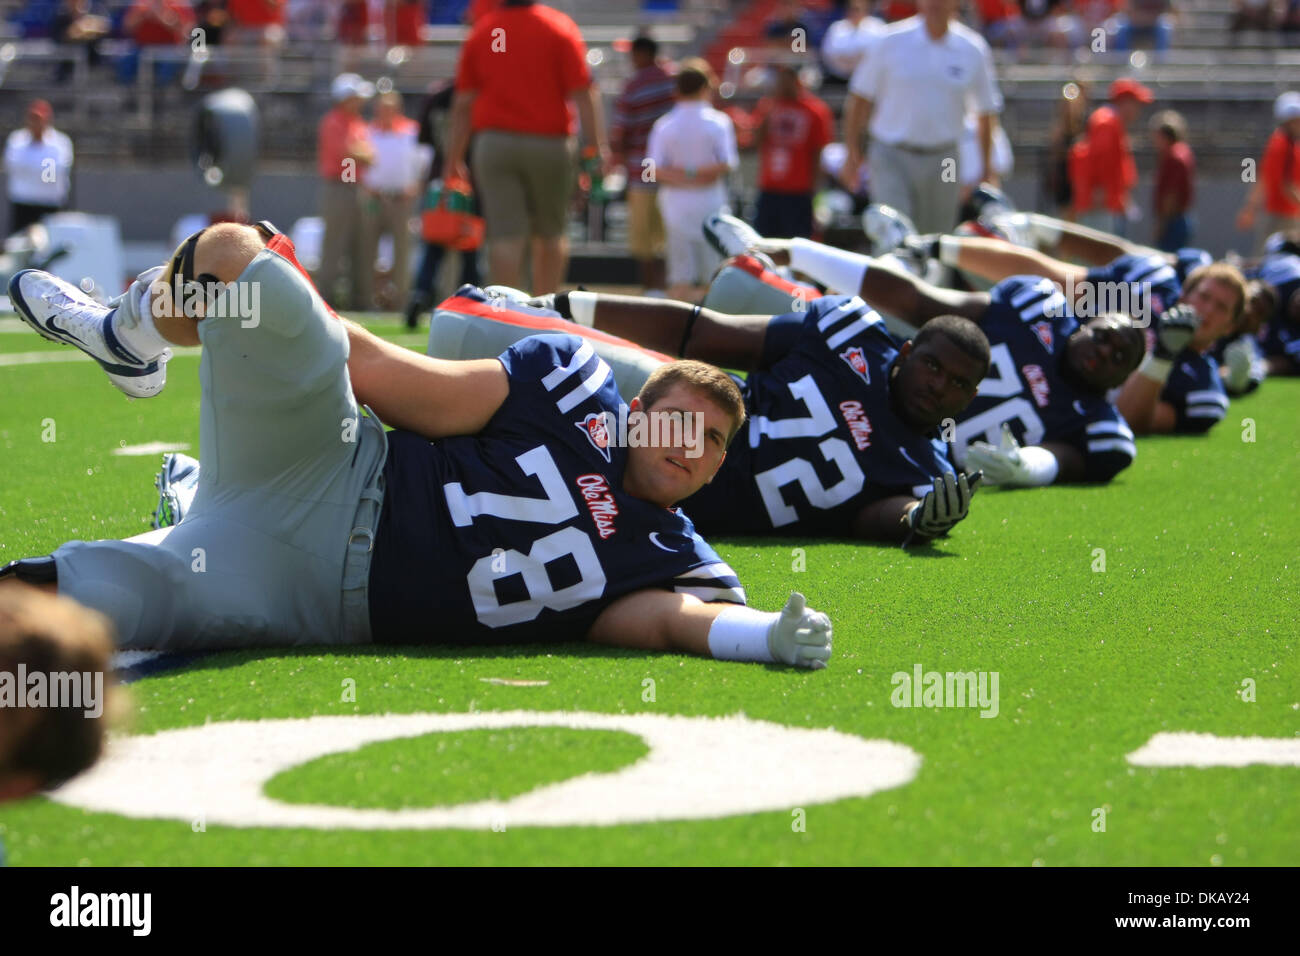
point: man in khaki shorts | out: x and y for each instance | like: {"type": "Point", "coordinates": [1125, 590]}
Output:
{"type": "Point", "coordinates": [513, 96]}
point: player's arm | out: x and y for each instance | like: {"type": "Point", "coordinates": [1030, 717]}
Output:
{"type": "Point", "coordinates": [668, 621]}
{"type": "Point", "coordinates": [996, 260]}
{"type": "Point", "coordinates": [431, 397]}
{"type": "Point", "coordinates": [881, 286]}
{"type": "Point", "coordinates": [1069, 240]}
{"type": "Point", "coordinates": [1139, 398]}
{"type": "Point", "coordinates": [674, 328]}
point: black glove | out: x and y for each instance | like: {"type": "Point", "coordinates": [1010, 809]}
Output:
{"type": "Point", "coordinates": [1174, 330]}
{"type": "Point", "coordinates": [921, 248]}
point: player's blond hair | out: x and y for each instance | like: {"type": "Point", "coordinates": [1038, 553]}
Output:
{"type": "Point", "coordinates": [714, 383]}
{"type": "Point", "coordinates": [1224, 272]}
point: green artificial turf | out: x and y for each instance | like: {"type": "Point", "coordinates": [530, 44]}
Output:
{"type": "Point", "coordinates": [1201, 542]}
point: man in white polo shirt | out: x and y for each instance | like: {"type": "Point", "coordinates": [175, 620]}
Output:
{"type": "Point", "coordinates": [913, 93]}
{"type": "Point", "coordinates": [38, 162]}
{"type": "Point", "coordinates": [692, 149]}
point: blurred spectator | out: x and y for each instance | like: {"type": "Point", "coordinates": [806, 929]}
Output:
{"type": "Point", "coordinates": [403, 20]}
{"type": "Point", "coordinates": [38, 164]}
{"type": "Point", "coordinates": [1055, 23]}
{"type": "Point", "coordinates": [1277, 189]}
{"type": "Point", "coordinates": [212, 18]}
{"type": "Point", "coordinates": [646, 96]}
{"type": "Point", "coordinates": [515, 100]}
{"type": "Point", "coordinates": [1070, 126]}
{"type": "Point", "coordinates": [478, 9]}
{"type": "Point", "coordinates": [256, 22]}
{"type": "Point", "coordinates": [1175, 181]}
{"type": "Point", "coordinates": [794, 127]}
{"type": "Point", "coordinates": [913, 92]}
{"type": "Point", "coordinates": [392, 184]}
{"type": "Point", "coordinates": [156, 23]}
{"type": "Point", "coordinates": [846, 40]}
{"type": "Point", "coordinates": [438, 100]}
{"type": "Point", "coordinates": [353, 25]}
{"type": "Point", "coordinates": [693, 149]}
{"type": "Point", "coordinates": [1291, 21]}
{"type": "Point", "coordinates": [1145, 22]}
{"type": "Point", "coordinates": [79, 24]}
{"type": "Point", "coordinates": [1102, 170]}
{"type": "Point", "coordinates": [308, 21]}
{"type": "Point", "coordinates": [1001, 22]}
{"type": "Point", "coordinates": [787, 25]}
{"type": "Point", "coordinates": [343, 153]}
{"type": "Point", "coordinates": [896, 10]}
{"type": "Point", "coordinates": [1252, 15]}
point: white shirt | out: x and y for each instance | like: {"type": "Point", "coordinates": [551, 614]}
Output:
{"type": "Point", "coordinates": [844, 43]}
{"type": "Point", "coordinates": [921, 88]}
{"type": "Point", "coordinates": [693, 134]}
{"type": "Point", "coordinates": [399, 160]}
{"type": "Point", "coordinates": [970, 166]}
{"type": "Point", "coordinates": [39, 173]}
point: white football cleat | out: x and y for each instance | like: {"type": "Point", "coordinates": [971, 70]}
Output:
{"type": "Point", "coordinates": [730, 236]}
{"type": "Point", "coordinates": [61, 312]}
{"type": "Point", "coordinates": [176, 483]}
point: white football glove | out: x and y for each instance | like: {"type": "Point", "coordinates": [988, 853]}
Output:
{"type": "Point", "coordinates": [943, 506]}
{"type": "Point", "coordinates": [1239, 357]}
{"type": "Point", "coordinates": [800, 636]}
{"type": "Point", "coordinates": [1010, 465]}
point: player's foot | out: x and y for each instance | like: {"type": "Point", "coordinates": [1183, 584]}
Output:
{"type": "Point", "coordinates": [61, 312]}
{"type": "Point", "coordinates": [507, 293]}
{"type": "Point", "coordinates": [176, 484]}
{"type": "Point", "coordinates": [730, 236]}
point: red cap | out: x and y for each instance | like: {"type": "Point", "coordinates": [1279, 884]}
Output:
{"type": "Point", "coordinates": [41, 108]}
{"type": "Point", "coordinates": [1130, 87]}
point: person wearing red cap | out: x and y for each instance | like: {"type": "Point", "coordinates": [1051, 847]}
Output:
{"type": "Point", "coordinates": [38, 164]}
{"type": "Point", "coordinates": [1102, 170]}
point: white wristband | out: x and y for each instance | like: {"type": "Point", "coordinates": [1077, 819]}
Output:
{"type": "Point", "coordinates": [949, 250]}
{"type": "Point", "coordinates": [740, 634]}
{"type": "Point", "coordinates": [1040, 465]}
{"type": "Point", "coordinates": [837, 269]}
{"type": "Point", "coordinates": [582, 308]}
{"type": "Point", "coordinates": [1156, 369]}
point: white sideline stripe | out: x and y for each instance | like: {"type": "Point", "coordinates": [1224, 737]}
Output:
{"type": "Point", "coordinates": [69, 355]}
{"type": "Point", "coordinates": [1209, 750]}
{"type": "Point", "coordinates": [152, 448]}
{"type": "Point", "coordinates": [697, 768]}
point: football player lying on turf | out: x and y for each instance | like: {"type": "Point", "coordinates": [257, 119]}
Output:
{"type": "Point", "coordinates": [311, 526]}
{"type": "Point", "coordinates": [843, 421]}
{"type": "Point", "coordinates": [1177, 388]}
{"type": "Point", "coordinates": [56, 691]}
{"type": "Point", "coordinates": [1280, 268]}
{"type": "Point", "coordinates": [1049, 374]}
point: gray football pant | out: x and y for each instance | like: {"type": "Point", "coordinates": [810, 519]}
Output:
{"type": "Point", "coordinates": [290, 469]}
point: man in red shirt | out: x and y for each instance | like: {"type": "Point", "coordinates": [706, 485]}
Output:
{"type": "Point", "coordinates": [1102, 170]}
{"type": "Point", "coordinates": [793, 128]}
{"type": "Point", "coordinates": [519, 68]}
{"type": "Point", "coordinates": [343, 153]}
{"type": "Point", "coordinates": [251, 20]}
{"type": "Point", "coordinates": [1278, 186]}
{"type": "Point", "coordinates": [1175, 173]}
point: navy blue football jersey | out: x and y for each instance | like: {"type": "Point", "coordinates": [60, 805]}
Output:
{"type": "Point", "coordinates": [1152, 286]}
{"type": "Point", "coordinates": [1282, 334]}
{"type": "Point", "coordinates": [1196, 392]}
{"type": "Point", "coordinates": [1187, 260]}
{"type": "Point", "coordinates": [823, 440]}
{"type": "Point", "coordinates": [1028, 323]}
{"type": "Point", "coordinates": [523, 532]}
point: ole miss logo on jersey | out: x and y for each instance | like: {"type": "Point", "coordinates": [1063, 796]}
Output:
{"type": "Point", "coordinates": [857, 361]}
{"type": "Point", "coordinates": [1044, 332]}
{"type": "Point", "coordinates": [596, 428]}
{"type": "Point", "coordinates": [859, 424]}
{"type": "Point", "coordinates": [1038, 386]}
{"type": "Point", "coordinates": [595, 492]}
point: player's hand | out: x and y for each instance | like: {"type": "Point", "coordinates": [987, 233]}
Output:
{"type": "Point", "coordinates": [1001, 465]}
{"type": "Point", "coordinates": [944, 505]}
{"type": "Point", "coordinates": [800, 636]}
{"type": "Point", "coordinates": [1239, 358]}
{"type": "Point", "coordinates": [1174, 330]}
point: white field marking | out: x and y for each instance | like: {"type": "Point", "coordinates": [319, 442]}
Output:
{"type": "Point", "coordinates": [151, 448]}
{"type": "Point", "coordinates": [69, 355]}
{"type": "Point", "coordinates": [1208, 750]}
{"type": "Point", "coordinates": [513, 682]}
{"type": "Point", "coordinates": [697, 768]}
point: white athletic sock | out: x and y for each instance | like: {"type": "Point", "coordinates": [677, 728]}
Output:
{"type": "Point", "coordinates": [133, 322]}
{"type": "Point", "coordinates": [837, 269]}
{"type": "Point", "coordinates": [740, 634]}
{"type": "Point", "coordinates": [582, 308]}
